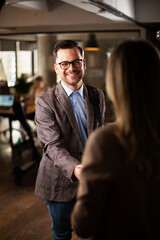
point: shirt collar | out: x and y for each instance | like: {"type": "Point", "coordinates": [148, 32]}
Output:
{"type": "Point", "coordinates": [69, 91]}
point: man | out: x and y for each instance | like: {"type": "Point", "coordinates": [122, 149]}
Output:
{"type": "Point", "coordinates": [64, 118]}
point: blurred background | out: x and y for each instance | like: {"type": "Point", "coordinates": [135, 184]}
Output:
{"type": "Point", "coordinates": [28, 31]}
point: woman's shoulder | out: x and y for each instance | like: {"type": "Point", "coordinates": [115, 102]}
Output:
{"type": "Point", "coordinates": [103, 147]}
{"type": "Point", "coordinates": [107, 132]}
{"type": "Point", "coordinates": [106, 139]}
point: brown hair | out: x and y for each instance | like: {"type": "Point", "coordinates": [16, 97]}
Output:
{"type": "Point", "coordinates": [134, 77]}
{"type": "Point", "coordinates": [39, 79]}
{"type": "Point", "coordinates": [66, 44]}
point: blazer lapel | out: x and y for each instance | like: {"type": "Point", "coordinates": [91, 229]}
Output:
{"type": "Point", "coordinates": [67, 107]}
{"type": "Point", "coordinates": [90, 113]}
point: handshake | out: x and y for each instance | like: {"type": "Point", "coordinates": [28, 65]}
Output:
{"type": "Point", "coordinates": [77, 171]}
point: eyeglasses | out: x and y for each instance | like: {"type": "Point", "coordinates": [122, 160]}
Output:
{"type": "Point", "coordinates": [75, 63]}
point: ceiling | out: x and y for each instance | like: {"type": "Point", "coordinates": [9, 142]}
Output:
{"type": "Point", "coordinates": [71, 16]}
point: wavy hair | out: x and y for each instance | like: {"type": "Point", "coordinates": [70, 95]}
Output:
{"type": "Point", "coordinates": [133, 83]}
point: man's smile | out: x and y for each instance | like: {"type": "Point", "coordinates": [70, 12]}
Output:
{"type": "Point", "coordinates": [72, 74]}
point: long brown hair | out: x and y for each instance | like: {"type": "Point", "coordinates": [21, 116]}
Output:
{"type": "Point", "coordinates": [133, 78]}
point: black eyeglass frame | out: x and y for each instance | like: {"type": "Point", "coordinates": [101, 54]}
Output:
{"type": "Point", "coordinates": [72, 62]}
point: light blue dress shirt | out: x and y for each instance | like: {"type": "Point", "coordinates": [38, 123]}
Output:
{"type": "Point", "coordinates": [79, 108]}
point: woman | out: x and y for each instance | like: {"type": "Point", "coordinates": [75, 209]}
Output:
{"type": "Point", "coordinates": [119, 192]}
{"type": "Point", "coordinates": [38, 87]}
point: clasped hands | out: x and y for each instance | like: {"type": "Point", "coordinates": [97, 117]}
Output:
{"type": "Point", "coordinates": [77, 171]}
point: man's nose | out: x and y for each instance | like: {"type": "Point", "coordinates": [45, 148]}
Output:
{"type": "Point", "coordinates": [71, 66]}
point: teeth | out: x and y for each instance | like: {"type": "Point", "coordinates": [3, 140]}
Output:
{"type": "Point", "coordinates": [72, 75]}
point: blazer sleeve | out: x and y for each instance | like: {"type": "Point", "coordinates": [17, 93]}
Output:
{"type": "Point", "coordinates": [94, 185]}
{"type": "Point", "coordinates": [50, 136]}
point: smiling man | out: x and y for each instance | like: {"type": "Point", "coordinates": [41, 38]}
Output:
{"type": "Point", "coordinates": [70, 66]}
{"type": "Point", "coordinates": [65, 117]}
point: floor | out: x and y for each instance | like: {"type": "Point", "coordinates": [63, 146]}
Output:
{"type": "Point", "coordinates": [23, 216]}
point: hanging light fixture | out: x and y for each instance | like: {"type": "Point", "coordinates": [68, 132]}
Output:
{"type": "Point", "coordinates": [91, 44]}
{"type": "Point", "coordinates": [158, 35]}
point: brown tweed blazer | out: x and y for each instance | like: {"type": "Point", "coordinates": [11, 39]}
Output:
{"type": "Point", "coordinates": [58, 132]}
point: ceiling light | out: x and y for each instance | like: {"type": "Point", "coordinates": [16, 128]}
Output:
{"type": "Point", "coordinates": [91, 44]}
{"type": "Point", "coordinates": [158, 35]}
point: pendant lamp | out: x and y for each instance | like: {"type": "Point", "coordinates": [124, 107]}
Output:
{"type": "Point", "coordinates": [158, 35]}
{"type": "Point", "coordinates": [91, 44]}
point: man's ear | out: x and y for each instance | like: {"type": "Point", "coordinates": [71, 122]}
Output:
{"type": "Point", "coordinates": [55, 67]}
{"type": "Point", "coordinates": [84, 63]}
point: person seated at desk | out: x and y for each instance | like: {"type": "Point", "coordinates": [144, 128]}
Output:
{"type": "Point", "coordinates": [18, 112]}
{"type": "Point", "coordinates": [38, 88]}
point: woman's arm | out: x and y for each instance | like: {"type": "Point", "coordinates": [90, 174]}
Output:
{"type": "Point", "coordinates": [94, 185]}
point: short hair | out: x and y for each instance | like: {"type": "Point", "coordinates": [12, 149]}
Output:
{"type": "Point", "coordinates": [66, 44]}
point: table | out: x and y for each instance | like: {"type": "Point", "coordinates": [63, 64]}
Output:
{"type": "Point", "coordinates": [10, 114]}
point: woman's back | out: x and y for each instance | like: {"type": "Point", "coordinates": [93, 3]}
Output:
{"type": "Point", "coordinates": [132, 205]}
{"type": "Point", "coordinates": [120, 202]}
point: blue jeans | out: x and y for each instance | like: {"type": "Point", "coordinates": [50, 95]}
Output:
{"type": "Point", "coordinates": [60, 213]}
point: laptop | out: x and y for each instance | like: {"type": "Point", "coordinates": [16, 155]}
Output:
{"type": "Point", "coordinates": [6, 101]}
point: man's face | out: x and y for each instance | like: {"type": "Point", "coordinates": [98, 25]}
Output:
{"type": "Point", "coordinates": [72, 76]}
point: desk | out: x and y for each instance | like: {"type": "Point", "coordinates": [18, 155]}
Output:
{"type": "Point", "coordinates": [10, 114]}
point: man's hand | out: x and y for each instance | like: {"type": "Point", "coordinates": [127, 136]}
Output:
{"type": "Point", "coordinates": [77, 171]}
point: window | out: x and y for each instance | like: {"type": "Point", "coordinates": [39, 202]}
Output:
{"type": "Point", "coordinates": [8, 61]}
{"type": "Point", "coordinates": [17, 58]}
{"type": "Point", "coordinates": [24, 63]}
